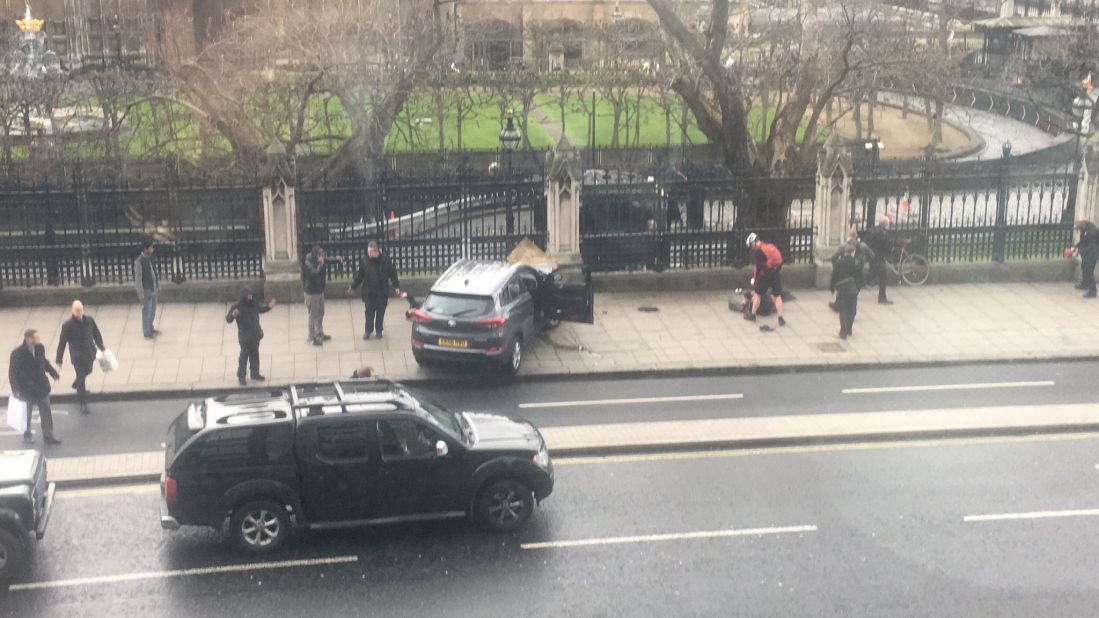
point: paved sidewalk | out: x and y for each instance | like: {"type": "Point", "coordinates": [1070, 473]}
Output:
{"type": "Point", "coordinates": [690, 330]}
{"type": "Point", "coordinates": [695, 434]}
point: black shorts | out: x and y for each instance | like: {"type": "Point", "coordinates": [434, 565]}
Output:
{"type": "Point", "coordinates": [769, 281]}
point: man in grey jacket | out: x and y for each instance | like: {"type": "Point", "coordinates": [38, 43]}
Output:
{"type": "Point", "coordinates": [147, 284]}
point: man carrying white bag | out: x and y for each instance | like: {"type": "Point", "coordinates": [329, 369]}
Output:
{"type": "Point", "coordinates": [81, 334]}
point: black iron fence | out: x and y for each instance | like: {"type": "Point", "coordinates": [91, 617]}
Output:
{"type": "Point", "coordinates": [83, 227]}
{"type": "Point", "coordinates": [426, 223]}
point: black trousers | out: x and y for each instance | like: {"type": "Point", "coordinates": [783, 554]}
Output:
{"type": "Point", "coordinates": [848, 306]}
{"type": "Point", "coordinates": [45, 414]}
{"type": "Point", "coordinates": [249, 353]}
{"type": "Point", "coordinates": [1087, 272]}
{"type": "Point", "coordinates": [375, 314]}
{"type": "Point", "coordinates": [82, 373]}
{"type": "Point", "coordinates": [878, 270]}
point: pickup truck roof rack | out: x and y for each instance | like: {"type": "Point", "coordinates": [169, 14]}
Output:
{"type": "Point", "coordinates": [343, 396]}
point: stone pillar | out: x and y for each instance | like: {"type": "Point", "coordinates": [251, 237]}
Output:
{"type": "Point", "coordinates": [833, 206]}
{"type": "Point", "coordinates": [281, 269]}
{"type": "Point", "coordinates": [1087, 187]}
{"type": "Point", "coordinates": [564, 182]}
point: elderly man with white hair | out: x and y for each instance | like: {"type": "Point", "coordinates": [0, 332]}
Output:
{"type": "Point", "coordinates": [81, 334]}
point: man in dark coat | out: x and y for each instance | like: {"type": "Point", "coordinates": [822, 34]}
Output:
{"type": "Point", "coordinates": [846, 281]}
{"type": "Point", "coordinates": [314, 276]}
{"type": "Point", "coordinates": [27, 369]}
{"type": "Point", "coordinates": [1088, 250]}
{"type": "Point", "coordinates": [375, 275]}
{"type": "Point", "coordinates": [881, 243]}
{"type": "Point", "coordinates": [246, 313]}
{"type": "Point", "coordinates": [81, 335]}
{"type": "Point", "coordinates": [863, 255]}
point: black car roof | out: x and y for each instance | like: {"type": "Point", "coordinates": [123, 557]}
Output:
{"type": "Point", "coordinates": [474, 277]}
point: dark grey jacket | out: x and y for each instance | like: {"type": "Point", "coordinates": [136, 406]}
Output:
{"type": "Point", "coordinates": [83, 339]}
{"type": "Point", "coordinates": [27, 373]}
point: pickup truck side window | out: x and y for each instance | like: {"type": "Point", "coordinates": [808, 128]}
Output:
{"type": "Point", "coordinates": [341, 440]}
{"type": "Point", "coordinates": [406, 439]}
{"type": "Point", "coordinates": [231, 448]}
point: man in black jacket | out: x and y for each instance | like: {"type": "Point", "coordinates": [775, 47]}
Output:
{"type": "Point", "coordinates": [846, 281]}
{"type": "Point", "coordinates": [27, 369]}
{"type": "Point", "coordinates": [375, 274]}
{"type": "Point", "coordinates": [246, 313]}
{"type": "Point", "coordinates": [314, 276]}
{"type": "Point", "coordinates": [1088, 250]}
{"type": "Point", "coordinates": [881, 242]}
{"type": "Point", "coordinates": [81, 334]}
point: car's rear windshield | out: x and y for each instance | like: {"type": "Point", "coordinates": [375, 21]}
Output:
{"type": "Point", "coordinates": [458, 305]}
{"type": "Point", "coordinates": [178, 435]}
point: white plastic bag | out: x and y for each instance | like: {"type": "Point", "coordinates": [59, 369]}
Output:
{"type": "Point", "coordinates": [17, 414]}
{"type": "Point", "coordinates": [107, 360]}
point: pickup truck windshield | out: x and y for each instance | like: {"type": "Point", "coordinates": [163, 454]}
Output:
{"type": "Point", "coordinates": [439, 416]}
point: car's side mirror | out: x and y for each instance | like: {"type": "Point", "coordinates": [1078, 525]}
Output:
{"type": "Point", "coordinates": [441, 449]}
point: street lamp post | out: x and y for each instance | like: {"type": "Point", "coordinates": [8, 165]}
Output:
{"type": "Point", "coordinates": [873, 148]}
{"type": "Point", "coordinates": [509, 137]}
{"type": "Point", "coordinates": [1081, 111]}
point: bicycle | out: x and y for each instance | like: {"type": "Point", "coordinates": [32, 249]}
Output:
{"type": "Point", "coordinates": [910, 268]}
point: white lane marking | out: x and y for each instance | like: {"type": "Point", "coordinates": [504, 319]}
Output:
{"type": "Point", "coordinates": [1032, 515]}
{"type": "Point", "coordinates": [234, 568]}
{"type": "Point", "coordinates": [946, 387]}
{"type": "Point", "coordinates": [676, 536]}
{"type": "Point", "coordinates": [615, 402]}
{"type": "Point", "coordinates": [108, 491]}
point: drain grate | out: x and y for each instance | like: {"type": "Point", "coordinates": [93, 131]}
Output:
{"type": "Point", "coordinates": [830, 346]}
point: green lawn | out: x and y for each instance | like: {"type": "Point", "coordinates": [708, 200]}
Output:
{"type": "Point", "coordinates": [653, 126]}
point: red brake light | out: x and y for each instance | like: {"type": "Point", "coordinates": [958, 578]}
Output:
{"type": "Point", "coordinates": [170, 490]}
{"type": "Point", "coordinates": [497, 320]}
{"type": "Point", "coordinates": [419, 315]}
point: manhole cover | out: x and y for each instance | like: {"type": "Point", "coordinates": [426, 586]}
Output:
{"type": "Point", "coordinates": [831, 346]}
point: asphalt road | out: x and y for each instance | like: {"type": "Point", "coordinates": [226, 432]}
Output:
{"type": "Point", "coordinates": [118, 427]}
{"type": "Point", "coordinates": [846, 530]}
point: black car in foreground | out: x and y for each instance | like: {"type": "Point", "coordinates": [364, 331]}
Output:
{"type": "Point", "coordinates": [482, 310]}
{"type": "Point", "coordinates": [26, 498]}
{"type": "Point", "coordinates": [349, 453]}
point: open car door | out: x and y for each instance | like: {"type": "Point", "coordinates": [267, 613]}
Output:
{"type": "Point", "coordinates": [569, 297]}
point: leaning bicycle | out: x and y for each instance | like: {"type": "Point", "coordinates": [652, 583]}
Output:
{"type": "Point", "coordinates": [911, 268]}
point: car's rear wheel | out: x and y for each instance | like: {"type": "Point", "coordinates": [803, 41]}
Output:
{"type": "Point", "coordinates": [421, 360]}
{"type": "Point", "coordinates": [514, 359]}
{"type": "Point", "coordinates": [260, 526]}
{"type": "Point", "coordinates": [12, 552]}
{"type": "Point", "coordinates": [504, 505]}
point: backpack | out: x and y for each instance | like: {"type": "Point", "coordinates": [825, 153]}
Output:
{"type": "Point", "coordinates": [774, 256]}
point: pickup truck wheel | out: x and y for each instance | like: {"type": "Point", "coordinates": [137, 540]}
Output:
{"type": "Point", "coordinates": [11, 556]}
{"type": "Point", "coordinates": [504, 505]}
{"type": "Point", "coordinates": [260, 526]}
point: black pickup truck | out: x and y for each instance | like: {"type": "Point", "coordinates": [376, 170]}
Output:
{"type": "Point", "coordinates": [25, 501]}
{"type": "Point", "coordinates": [349, 453]}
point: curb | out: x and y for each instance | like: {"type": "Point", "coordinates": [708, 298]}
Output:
{"type": "Point", "coordinates": [459, 378]}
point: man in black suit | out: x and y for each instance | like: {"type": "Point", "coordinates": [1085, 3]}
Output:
{"type": "Point", "coordinates": [27, 369]}
{"type": "Point", "coordinates": [81, 335]}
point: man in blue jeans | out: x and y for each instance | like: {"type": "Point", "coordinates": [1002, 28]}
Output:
{"type": "Point", "coordinates": [147, 284]}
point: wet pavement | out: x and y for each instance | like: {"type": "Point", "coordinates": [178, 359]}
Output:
{"type": "Point", "coordinates": [869, 530]}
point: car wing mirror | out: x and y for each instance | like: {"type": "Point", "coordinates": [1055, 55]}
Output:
{"type": "Point", "coordinates": [441, 449]}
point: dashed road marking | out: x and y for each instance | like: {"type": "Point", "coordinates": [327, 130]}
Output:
{"type": "Point", "coordinates": [616, 402]}
{"type": "Point", "coordinates": [675, 536]}
{"type": "Point", "coordinates": [946, 387]}
{"type": "Point", "coordinates": [1031, 515]}
{"type": "Point", "coordinates": [233, 568]}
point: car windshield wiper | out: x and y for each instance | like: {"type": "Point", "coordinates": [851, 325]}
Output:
{"type": "Point", "coordinates": [463, 312]}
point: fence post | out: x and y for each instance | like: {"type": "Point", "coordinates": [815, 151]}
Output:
{"type": "Point", "coordinates": [281, 270]}
{"type": "Point", "coordinates": [80, 185]}
{"type": "Point", "coordinates": [564, 182]}
{"type": "Point", "coordinates": [999, 238]}
{"type": "Point", "coordinates": [1087, 183]}
{"type": "Point", "coordinates": [833, 201]}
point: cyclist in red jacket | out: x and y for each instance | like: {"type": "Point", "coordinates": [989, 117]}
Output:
{"type": "Point", "coordinates": [766, 277]}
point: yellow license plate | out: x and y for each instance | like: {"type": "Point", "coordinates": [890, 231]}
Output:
{"type": "Point", "coordinates": [454, 343]}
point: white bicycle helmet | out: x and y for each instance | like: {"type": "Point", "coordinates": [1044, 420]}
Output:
{"type": "Point", "coordinates": [752, 238]}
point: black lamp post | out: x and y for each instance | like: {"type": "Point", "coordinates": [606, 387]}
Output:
{"type": "Point", "coordinates": [873, 148]}
{"type": "Point", "coordinates": [509, 137]}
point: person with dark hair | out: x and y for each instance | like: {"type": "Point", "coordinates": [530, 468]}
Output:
{"type": "Point", "coordinates": [81, 334]}
{"type": "Point", "coordinates": [27, 370]}
{"type": "Point", "coordinates": [246, 313]}
{"type": "Point", "coordinates": [363, 372]}
{"type": "Point", "coordinates": [314, 276]}
{"type": "Point", "coordinates": [1088, 250]}
{"type": "Point", "coordinates": [375, 275]}
{"type": "Point", "coordinates": [846, 282]}
{"type": "Point", "coordinates": [881, 243]}
{"type": "Point", "coordinates": [147, 284]}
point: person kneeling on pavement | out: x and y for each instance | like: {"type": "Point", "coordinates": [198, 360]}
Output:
{"type": "Point", "coordinates": [766, 278]}
{"type": "Point", "coordinates": [846, 282]}
{"type": "Point", "coordinates": [246, 314]}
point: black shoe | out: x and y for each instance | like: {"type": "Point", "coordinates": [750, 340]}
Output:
{"type": "Point", "coordinates": [150, 336]}
{"type": "Point", "coordinates": [366, 337]}
{"type": "Point", "coordinates": [156, 331]}
{"type": "Point", "coordinates": [1090, 294]}
{"type": "Point", "coordinates": [28, 438]}
{"type": "Point", "coordinates": [326, 337]}
{"type": "Point", "coordinates": [316, 342]}
{"type": "Point", "coordinates": [242, 381]}
{"type": "Point", "coordinates": [781, 321]}
{"type": "Point", "coordinates": [751, 317]}
{"type": "Point", "coordinates": [832, 306]}
{"type": "Point", "coordinates": [1080, 286]}
{"type": "Point", "coordinates": [843, 335]}
{"type": "Point", "coordinates": [259, 377]}
{"type": "Point", "coordinates": [52, 440]}
{"type": "Point", "coordinates": [884, 301]}
{"type": "Point", "coordinates": [379, 335]}
{"type": "Point", "coordinates": [84, 409]}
